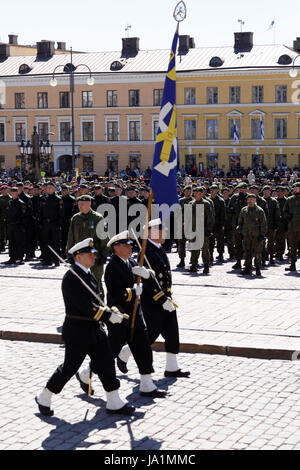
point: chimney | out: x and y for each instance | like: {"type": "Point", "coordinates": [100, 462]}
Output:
{"type": "Point", "coordinates": [61, 46]}
{"type": "Point", "coordinates": [243, 42]}
{"type": "Point", "coordinates": [296, 45]}
{"type": "Point", "coordinates": [185, 44]}
{"type": "Point", "coordinates": [130, 47]}
{"type": "Point", "coordinates": [13, 39]}
{"type": "Point", "coordinates": [4, 51]}
{"type": "Point", "coordinates": [45, 49]}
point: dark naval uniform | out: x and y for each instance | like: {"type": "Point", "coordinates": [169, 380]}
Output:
{"type": "Point", "coordinates": [158, 320]}
{"type": "Point", "coordinates": [52, 213]}
{"type": "Point", "coordinates": [83, 334]}
{"type": "Point", "coordinates": [120, 281]}
{"type": "Point", "coordinates": [16, 229]}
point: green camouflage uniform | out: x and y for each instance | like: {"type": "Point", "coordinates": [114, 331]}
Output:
{"type": "Point", "coordinates": [252, 226]}
{"type": "Point", "coordinates": [292, 216]}
{"type": "Point", "coordinates": [182, 241]}
{"type": "Point", "coordinates": [208, 227]}
{"type": "Point", "coordinates": [84, 226]}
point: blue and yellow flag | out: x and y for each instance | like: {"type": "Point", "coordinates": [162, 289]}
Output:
{"type": "Point", "coordinates": [165, 161]}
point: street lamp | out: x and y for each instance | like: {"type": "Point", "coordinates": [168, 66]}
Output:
{"type": "Point", "coordinates": [33, 151]}
{"type": "Point", "coordinates": [293, 71]}
{"type": "Point", "coordinates": [70, 69]}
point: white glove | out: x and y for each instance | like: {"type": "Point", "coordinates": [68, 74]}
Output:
{"type": "Point", "coordinates": [168, 306]}
{"type": "Point", "coordinates": [141, 272]}
{"type": "Point", "coordinates": [138, 289]}
{"type": "Point", "coordinates": [115, 318]}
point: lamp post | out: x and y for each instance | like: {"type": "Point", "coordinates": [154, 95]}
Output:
{"type": "Point", "coordinates": [33, 151]}
{"type": "Point", "coordinates": [293, 71]}
{"type": "Point", "coordinates": [70, 69]}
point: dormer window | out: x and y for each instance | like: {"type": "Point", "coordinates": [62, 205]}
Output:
{"type": "Point", "coordinates": [24, 68]}
{"type": "Point", "coordinates": [216, 62]}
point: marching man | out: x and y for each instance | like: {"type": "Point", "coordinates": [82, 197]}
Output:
{"type": "Point", "coordinates": [83, 334]}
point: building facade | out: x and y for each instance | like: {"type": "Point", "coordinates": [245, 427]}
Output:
{"type": "Point", "coordinates": [237, 106]}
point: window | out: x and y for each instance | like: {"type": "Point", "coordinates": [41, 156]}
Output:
{"type": "Point", "coordinates": [212, 161]}
{"type": "Point", "coordinates": [2, 132]}
{"type": "Point", "coordinates": [65, 131]}
{"type": "Point", "coordinates": [190, 162]}
{"type": "Point", "coordinates": [42, 100]}
{"type": "Point", "coordinates": [281, 128]}
{"type": "Point", "coordinates": [155, 129]}
{"type": "Point", "coordinates": [257, 162]}
{"type": "Point", "coordinates": [134, 130]}
{"type": "Point", "coordinates": [20, 131]}
{"type": "Point", "coordinates": [87, 163]}
{"type": "Point", "coordinates": [234, 162]}
{"type": "Point", "coordinates": [134, 162]}
{"type": "Point", "coordinates": [112, 163]}
{"type": "Point", "coordinates": [281, 93]}
{"type": "Point", "coordinates": [190, 129]}
{"type": "Point", "coordinates": [112, 130]}
{"type": "Point", "coordinates": [19, 100]}
{"type": "Point", "coordinates": [189, 96]}
{"type": "Point", "coordinates": [211, 129]}
{"type": "Point", "coordinates": [231, 128]}
{"type": "Point", "coordinates": [157, 97]}
{"type": "Point", "coordinates": [255, 129]}
{"type": "Point", "coordinates": [257, 94]}
{"type": "Point", "coordinates": [212, 95]}
{"type": "Point", "coordinates": [87, 131]}
{"type": "Point", "coordinates": [134, 97]}
{"type": "Point", "coordinates": [2, 162]}
{"type": "Point", "coordinates": [87, 99]}
{"type": "Point", "coordinates": [43, 130]}
{"type": "Point", "coordinates": [280, 160]}
{"type": "Point", "coordinates": [234, 94]}
{"type": "Point", "coordinates": [112, 98]}
{"type": "Point", "coordinates": [64, 99]}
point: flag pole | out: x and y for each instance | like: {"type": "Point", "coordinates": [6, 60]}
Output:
{"type": "Point", "coordinates": [179, 16]}
{"type": "Point", "coordinates": [141, 263]}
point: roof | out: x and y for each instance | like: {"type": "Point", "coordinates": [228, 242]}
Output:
{"type": "Point", "coordinates": [153, 61]}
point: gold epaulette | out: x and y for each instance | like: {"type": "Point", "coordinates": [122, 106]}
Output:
{"type": "Point", "coordinates": [99, 313]}
{"type": "Point", "coordinates": [128, 294]}
{"type": "Point", "coordinates": [158, 296]}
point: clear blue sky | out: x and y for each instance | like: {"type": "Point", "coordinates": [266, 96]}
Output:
{"type": "Point", "coordinates": [97, 25]}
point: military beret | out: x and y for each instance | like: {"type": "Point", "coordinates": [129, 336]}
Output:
{"type": "Point", "coordinates": [85, 198]}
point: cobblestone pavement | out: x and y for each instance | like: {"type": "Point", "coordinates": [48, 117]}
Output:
{"type": "Point", "coordinates": [222, 309]}
{"type": "Point", "coordinates": [228, 403]}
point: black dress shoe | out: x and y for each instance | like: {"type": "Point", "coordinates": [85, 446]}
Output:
{"type": "Point", "coordinates": [154, 394]}
{"type": "Point", "coordinates": [122, 365]}
{"type": "Point", "coordinates": [126, 410]}
{"type": "Point", "coordinates": [44, 410]}
{"type": "Point", "coordinates": [177, 373]}
{"type": "Point", "coordinates": [83, 385]}
{"type": "Point", "coordinates": [181, 264]}
{"type": "Point", "coordinates": [10, 261]}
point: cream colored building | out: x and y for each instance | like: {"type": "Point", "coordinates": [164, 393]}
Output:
{"type": "Point", "coordinates": [116, 119]}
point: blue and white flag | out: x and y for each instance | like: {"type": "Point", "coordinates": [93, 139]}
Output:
{"type": "Point", "coordinates": [165, 160]}
{"type": "Point", "coordinates": [262, 129]}
{"type": "Point", "coordinates": [271, 25]}
{"type": "Point", "coordinates": [235, 132]}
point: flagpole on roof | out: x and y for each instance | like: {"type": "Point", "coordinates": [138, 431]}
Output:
{"type": "Point", "coordinates": [179, 16]}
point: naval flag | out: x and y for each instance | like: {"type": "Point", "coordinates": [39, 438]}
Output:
{"type": "Point", "coordinates": [235, 131]}
{"type": "Point", "coordinates": [165, 160]}
{"type": "Point", "coordinates": [262, 129]}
